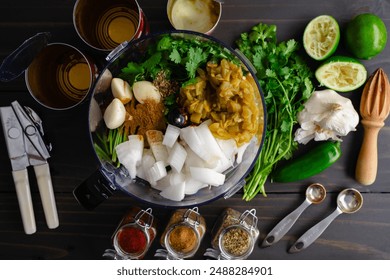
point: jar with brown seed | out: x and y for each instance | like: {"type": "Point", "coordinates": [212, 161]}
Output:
{"type": "Point", "coordinates": [183, 234]}
{"type": "Point", "coordinates": [234, 235]}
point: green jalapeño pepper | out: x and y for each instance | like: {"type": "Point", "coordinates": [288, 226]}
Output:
{"type": "Point", "coordinates": [313, 162]}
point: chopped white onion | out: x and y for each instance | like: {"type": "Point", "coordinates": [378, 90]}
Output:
{"type": "Point", "coordinates": [241, 151]}
{"type": "Point", "coordinates": [155, 138]}
{"type": "Point", "coordinates": [176, 178]}
{"type": "Point", "coordinates": [193, 186]}
{"type": "Point", "coordinates": [130, 153]}
{"type": "Point", "coordinates": [171, 134]}
{"type": "Point", "coordinates": [157, 171]}
{"type": "Point", "coordinates": [177, 157]}
{"type": "Point", "coordinates": [207, 175]}
{"type": "Point", "coordinates": [189, 135]}
{"type": "Point", "coordinates": [229, 148]}
{"type": "Point", "coordinates": [174, 192]}
{"type": "Point", "coordinates": [148, 161]}
{"type": "Point", "coordinates": [210, 145]}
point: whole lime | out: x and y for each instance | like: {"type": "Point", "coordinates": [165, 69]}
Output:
{"type": "Point", "coordinates": [365, 36]}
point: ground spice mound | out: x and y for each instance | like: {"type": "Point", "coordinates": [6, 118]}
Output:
{"type": "Point", "coordinates": [182, 239]}
{"type": "Point", "coordinates": [143, 117]}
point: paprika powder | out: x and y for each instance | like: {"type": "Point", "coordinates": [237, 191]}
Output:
{"type": "Point", "coordinates": [134, 234]}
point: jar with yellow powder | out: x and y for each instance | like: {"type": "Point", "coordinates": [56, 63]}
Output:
{"type": "Point", "coordinates": [183, 234]}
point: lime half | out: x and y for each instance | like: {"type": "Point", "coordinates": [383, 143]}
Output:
{"type": "Point", "coordinates": [321, 37]}
{"type": "Point", "coordinates": [341, 73]}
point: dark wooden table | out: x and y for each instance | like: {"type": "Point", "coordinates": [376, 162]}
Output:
{"type": "Point", "coordinates": [86, 234]}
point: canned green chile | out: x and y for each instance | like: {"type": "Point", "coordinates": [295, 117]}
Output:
{"type": "Point", "coordinates": [307, 165]}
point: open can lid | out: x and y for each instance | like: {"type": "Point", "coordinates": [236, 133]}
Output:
{"type": "Point", "coordinates": [19, 60]}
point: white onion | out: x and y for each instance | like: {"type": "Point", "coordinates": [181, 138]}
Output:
{"type": "Point", "coordinates": [193, 186]}
{"type": "Point", "coordinates": [189, 135]}
{"type": "Point", "coordinates": [177, 157]}
{"type": "Point", "coordinates": [155, 138]}
{"type": "Point", "coordinates": [207, 175]}
{"type": "Point", "coordinates": [171, 134]}
{"type": "Point", "coordinates": [157, 171]}
{"type": "Point", "coordinates": [130, 153]}
{"type": "Point", "coordinates": [174, 192]}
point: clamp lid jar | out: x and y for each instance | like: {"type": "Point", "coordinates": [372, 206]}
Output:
{"type": "Point", "coordinates": [235, 235]}
{"type": "Point", "coordinates": [134, 235]}
{"type": "Point", "coordinates": [183, 234]}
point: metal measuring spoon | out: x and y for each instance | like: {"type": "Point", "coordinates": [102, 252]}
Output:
{"type": "Point", "coordinates": [315, 193]}
{"type": "Point", "coordinates": [348, 201]}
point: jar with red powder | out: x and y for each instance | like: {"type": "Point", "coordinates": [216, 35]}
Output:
{"type": "Point", "coordinates": [134, 235]}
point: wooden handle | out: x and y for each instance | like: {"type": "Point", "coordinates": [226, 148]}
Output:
{"type": "Point", "coordinates": [42, 172]}
{"type": "Point", "coordinates": [23, 193]}
{"type": "Point", "coordinates": [367, 163]}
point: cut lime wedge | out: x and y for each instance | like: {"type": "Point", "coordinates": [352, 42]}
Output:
{"type": "Point", "coordinates": [341, 73]}
{"type": "Point", "coordinates": [321, 37]}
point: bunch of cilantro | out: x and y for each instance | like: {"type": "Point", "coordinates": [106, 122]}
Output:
{"type": "Point", "coordinates": [177, 56]}
{"type": "Point", "coordinates": [286, 83]}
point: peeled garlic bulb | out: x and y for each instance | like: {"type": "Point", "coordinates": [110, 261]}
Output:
{"type": "Point", "coordinates": [121, 90]}
{"type": "Point", "coordinates": [115, 114]}
{"type": "Point", "coordinates": [144, 90]}
{"type": "Point", "coordinates": [327, 115]}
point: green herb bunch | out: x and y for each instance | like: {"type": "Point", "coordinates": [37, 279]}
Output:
{"type": "Point", "coordinates": [286, 82]}
{"type": "Point", "coordinates": [178, 56]}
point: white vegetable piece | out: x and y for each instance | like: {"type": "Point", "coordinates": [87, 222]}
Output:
{"type": "Point", "coordinates": [327, 115]}
{"type": "Point", "coordinates": [155, 138]}
{"type": "Point", "coordinates": [177, 157]}
{"type": "Point", "coordinates": [171, 134]}
{"type": "Point", "coordinates": [144, 90]}
{"type": "Point", "coordinates": [193, 186]}
{"type": "Point", "coordinates": [115, 114]}
{"type": "Point", "coordinates": [174, 192]}
{"type": "Point", "coordinates": [240, 152]}
{"type": "Point", "coordinates": [95, 115]}
{"type": "Point", "coordinates": [121, 89]}
{"type": "Point", "coordinates": [207, 175]}
{"type": "Point", "coordinates": [176, 178]}
{"type": "Point", "coordinates": [130, 153]}
{"type": "Point", "coordinates": [189, 135]}
{"type": "Point", "coordinates": [157, 171]}
{"type": "Point", "coordinates": [216, 158]}
{"type": "Point", "coordinates": [147, 162]}
{"type": "Point", "coordinates": [228, 147]}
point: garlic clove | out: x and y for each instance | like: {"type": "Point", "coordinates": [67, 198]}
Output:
{"type": "Point", "coordinates": [115, 114]}
{"type": "Point", "coordinates": [144, 90]}
{"type": "Point", "coordinates": [121, 90]}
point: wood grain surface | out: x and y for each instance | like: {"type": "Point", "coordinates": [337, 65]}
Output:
{"type": "Point", "coordinates": [86, 234]}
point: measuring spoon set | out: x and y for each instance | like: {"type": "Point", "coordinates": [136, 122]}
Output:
{"type": "Point", "coordinates": [348, 201]}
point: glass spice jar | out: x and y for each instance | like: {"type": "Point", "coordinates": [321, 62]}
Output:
{"type": "Point", "coordinates": [183, 234]}
{"type": "Point", "coordinates": [234, 235]}
{"type": "Point", "coordinates": [134, 235]}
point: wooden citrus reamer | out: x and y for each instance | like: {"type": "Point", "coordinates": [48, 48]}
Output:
{"type": "Point", "coordinates": [374, 109]}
